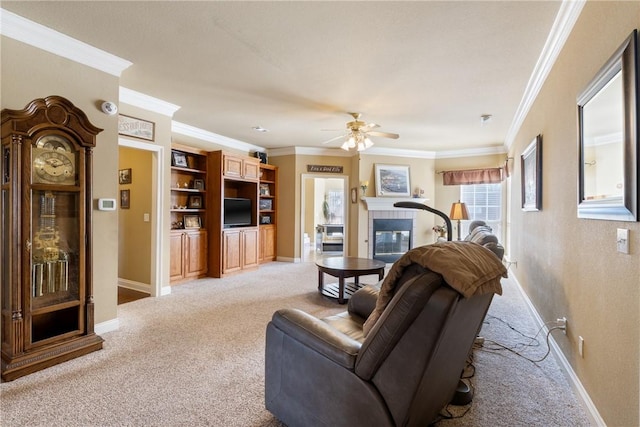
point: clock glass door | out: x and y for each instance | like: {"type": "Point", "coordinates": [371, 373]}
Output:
{"type": "Point", "coordinates": [56, 252]}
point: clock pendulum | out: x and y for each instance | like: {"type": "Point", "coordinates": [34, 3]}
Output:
{"type": "Point", "coordinates": [50, 263]}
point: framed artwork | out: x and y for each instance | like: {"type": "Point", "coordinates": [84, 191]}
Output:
{"type": "Point", "coordinates": [125, 198]}
{"type": "Point", "coordinates": [195, 202]}
{"type": "Point", "coordinates": [198, 184]}
{"type": "Point", "coordinates": [531, 167]}
{"type": "Point", "coordinates": [192, 221]}
{"type": "Point", "coordinates": [264, 190]}
{"type": "Point", "coordinates": [392, 181]}
{"type": "Point", "coordinates": [179, 159]}
{"type": "Point", "coordinates": [137, 128]}
{"type": "Point", "coordinates": [265, 204]}
{"type": "Point", "coordinates": [124, 176]}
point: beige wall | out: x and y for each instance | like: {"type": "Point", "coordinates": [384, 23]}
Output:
{"type": "Point", "coordinates": [134, 248]}
{"type": "Point", "coordinates": [569, 266]}
{"type": "Point", "coordinates": [29, 73]}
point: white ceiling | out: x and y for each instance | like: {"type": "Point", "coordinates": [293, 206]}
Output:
{"type": "Point", "coordinates": [426, 70]}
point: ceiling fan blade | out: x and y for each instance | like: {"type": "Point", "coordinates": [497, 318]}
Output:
{"type": "Point", "coordinates": [384, 134]}
{"type": "Point", "coordinates": [334, 139]}
{"type": "Point", "coordinates": [370, 126]}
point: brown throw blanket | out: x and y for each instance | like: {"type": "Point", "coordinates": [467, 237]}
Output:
{"type": "Point", "coordinates": [467, 267]}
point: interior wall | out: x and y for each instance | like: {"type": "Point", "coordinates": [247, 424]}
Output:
{"type": "Point", "coordinates": [29, 73]}
{"type": "Point", "coordinates": [291, 168]}
{"type": "Point", "coordinates": [134, 232]}
{"type": "Point", "coordinates": [569, 266]}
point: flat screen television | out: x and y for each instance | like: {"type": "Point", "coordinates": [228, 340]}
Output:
{"type": "Point", "coordinates": [237, 212]}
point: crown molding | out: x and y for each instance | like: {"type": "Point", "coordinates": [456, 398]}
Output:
{"type": "Point", "coordinates": [471, 152]}
{"type": "Point", "coordinates": [37, 35]}
{"type": "Point", "coordinates": [205, 135]}
{"type": "Point", "coordinates": [140, 100]}
{"type": "Point", "coordinates": [562, 26]}
{"type": "Point", "coordinates": [397, 152]}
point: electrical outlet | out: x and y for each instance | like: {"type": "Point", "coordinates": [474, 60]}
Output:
{"type": "Point", "coordinates": [562, 324]}
{"type": "Point", "coordinates": [622, 240]}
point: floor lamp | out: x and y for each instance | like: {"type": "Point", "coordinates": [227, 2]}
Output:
{"type": "Point", "coordinates": [458, 212]}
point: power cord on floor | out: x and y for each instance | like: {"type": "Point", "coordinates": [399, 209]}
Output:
{"type": "Point", "coordinates": [532, 343]}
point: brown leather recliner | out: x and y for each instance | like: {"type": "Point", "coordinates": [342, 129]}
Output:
{"type": "Point", "coordinates": [325, 372]}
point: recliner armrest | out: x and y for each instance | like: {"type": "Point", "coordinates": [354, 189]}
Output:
{"type": "Point", "coordinates": [317, 335]}
{"type": "Point", "coordinates": [363, 301]}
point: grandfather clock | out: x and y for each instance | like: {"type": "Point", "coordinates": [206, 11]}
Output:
{"type": "Point", "coordinates": [47, 291]}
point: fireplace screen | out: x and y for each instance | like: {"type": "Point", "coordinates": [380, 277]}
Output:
{"type": "Point", "coordinates": [392, 238]}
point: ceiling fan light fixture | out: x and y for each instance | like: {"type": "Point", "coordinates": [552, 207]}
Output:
{"type": "Point", "coordinates": [361, 146]}
{"type": "Point", "coordinates": [345, 146]}
{"type": "Point", "coordinates": [367, 142]}
{"type": "Point", "coordinates": [351, 142]}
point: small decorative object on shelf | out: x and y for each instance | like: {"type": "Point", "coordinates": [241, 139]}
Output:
{"type": "Point", "coordinates": [364, 185]}
{"type": "Point", "coordinates": [418, 192]}
{"type": "Point", "coordinates": [198, 184]}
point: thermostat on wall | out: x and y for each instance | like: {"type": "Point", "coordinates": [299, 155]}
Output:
{"type": "Point", "coordinates": [106, 204]}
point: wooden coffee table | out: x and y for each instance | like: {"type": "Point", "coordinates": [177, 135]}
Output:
{"type": "Point", "coordinates": [343, 267]}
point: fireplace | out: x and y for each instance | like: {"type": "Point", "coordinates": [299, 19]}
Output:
{"type": "Point", "coordinates": [391, 238]}
{"type": "Point", "coordinates": [390, 230]}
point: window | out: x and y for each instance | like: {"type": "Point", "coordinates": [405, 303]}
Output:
{"type": "Point", "coordinates": [484, 202]}
{"type": "Point", "coordinates": [336, 207]}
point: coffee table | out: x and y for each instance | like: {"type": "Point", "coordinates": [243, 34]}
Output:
{"type": "Point", "coordinates": [344, 267]}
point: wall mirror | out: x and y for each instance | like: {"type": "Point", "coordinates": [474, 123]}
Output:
{"type": "Point", "coordinates": [608, 139]}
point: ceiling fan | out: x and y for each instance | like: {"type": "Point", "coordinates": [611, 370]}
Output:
{"type": "Point", "coordinates": [358, 133]}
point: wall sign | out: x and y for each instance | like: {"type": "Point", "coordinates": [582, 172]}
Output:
{"type": "Point", "coordinates": [137, 128]}
{"type": "Point", "coordinates": [324, 169]}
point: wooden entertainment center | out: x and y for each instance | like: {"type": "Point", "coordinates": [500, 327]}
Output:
{"type": "Point", "coordinates": [203, 242]}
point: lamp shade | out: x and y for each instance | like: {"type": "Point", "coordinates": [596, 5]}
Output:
{"type": "Point", "coordinates": [459, 211]}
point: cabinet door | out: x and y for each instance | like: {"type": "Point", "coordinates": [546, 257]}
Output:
{"type": "Point", "coordinates": [196, 253]}
{"type": "Point", "coordinates": [267, 243]}
{"type": "Point", "coordinates": [251, 170]}
{"type": "Point", "coordinates": [231, 251]}
{"type": "Point", "coordinates": [232, 167]}
{"type": "Point", "coordinates": [250, 248]}
{"type": "Point", "coordinates": [176, 257]}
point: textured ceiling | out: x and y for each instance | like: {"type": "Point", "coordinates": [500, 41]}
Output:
{"type": "Point", "coordinates": [425, 70]}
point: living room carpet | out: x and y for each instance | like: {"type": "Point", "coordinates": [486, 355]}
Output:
{"type": "Point", "coordinates": [196, 358]}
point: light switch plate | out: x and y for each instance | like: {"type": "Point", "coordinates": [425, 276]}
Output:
{"type": "Point", "coordinates": [622, 240]}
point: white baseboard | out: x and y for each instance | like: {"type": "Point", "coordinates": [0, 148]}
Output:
{"type": "Point", "coordinates": [136, 286]}
{"type": "Point", "coordinates": [108, 326]}
{"type": "Point", "coordinates": [592, 411]}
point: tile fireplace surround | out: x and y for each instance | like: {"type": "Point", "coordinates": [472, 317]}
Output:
{"type": "Point", "coordinates": [382, 208]}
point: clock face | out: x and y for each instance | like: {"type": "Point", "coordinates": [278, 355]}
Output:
{"type": "Point", "coordinates": [54, 161]}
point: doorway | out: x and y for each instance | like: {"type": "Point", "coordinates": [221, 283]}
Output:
{"type": "Point", "coordinates": [323, 216]}
{"type": "Point", "coordinates": [152, 177]}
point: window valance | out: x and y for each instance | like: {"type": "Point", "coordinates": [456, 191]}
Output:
{"type": "Point", "coordinates": [474, 176]}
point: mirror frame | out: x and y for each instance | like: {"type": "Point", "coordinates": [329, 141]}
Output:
{"type": "Point", "coordinates": [625, 59]}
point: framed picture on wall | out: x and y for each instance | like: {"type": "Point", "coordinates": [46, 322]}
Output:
{"type": "Point", "coordinates": [125, 199]}
{"type": "Point", "coordinates": [124, 176]}
{"type": "Point", "coordinates": [392, 181]}
{"type": "Point", "coordinates": [531, 167]}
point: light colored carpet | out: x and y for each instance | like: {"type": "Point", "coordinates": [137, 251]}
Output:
{"type": "Point", "coordinates": [196, 358]}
